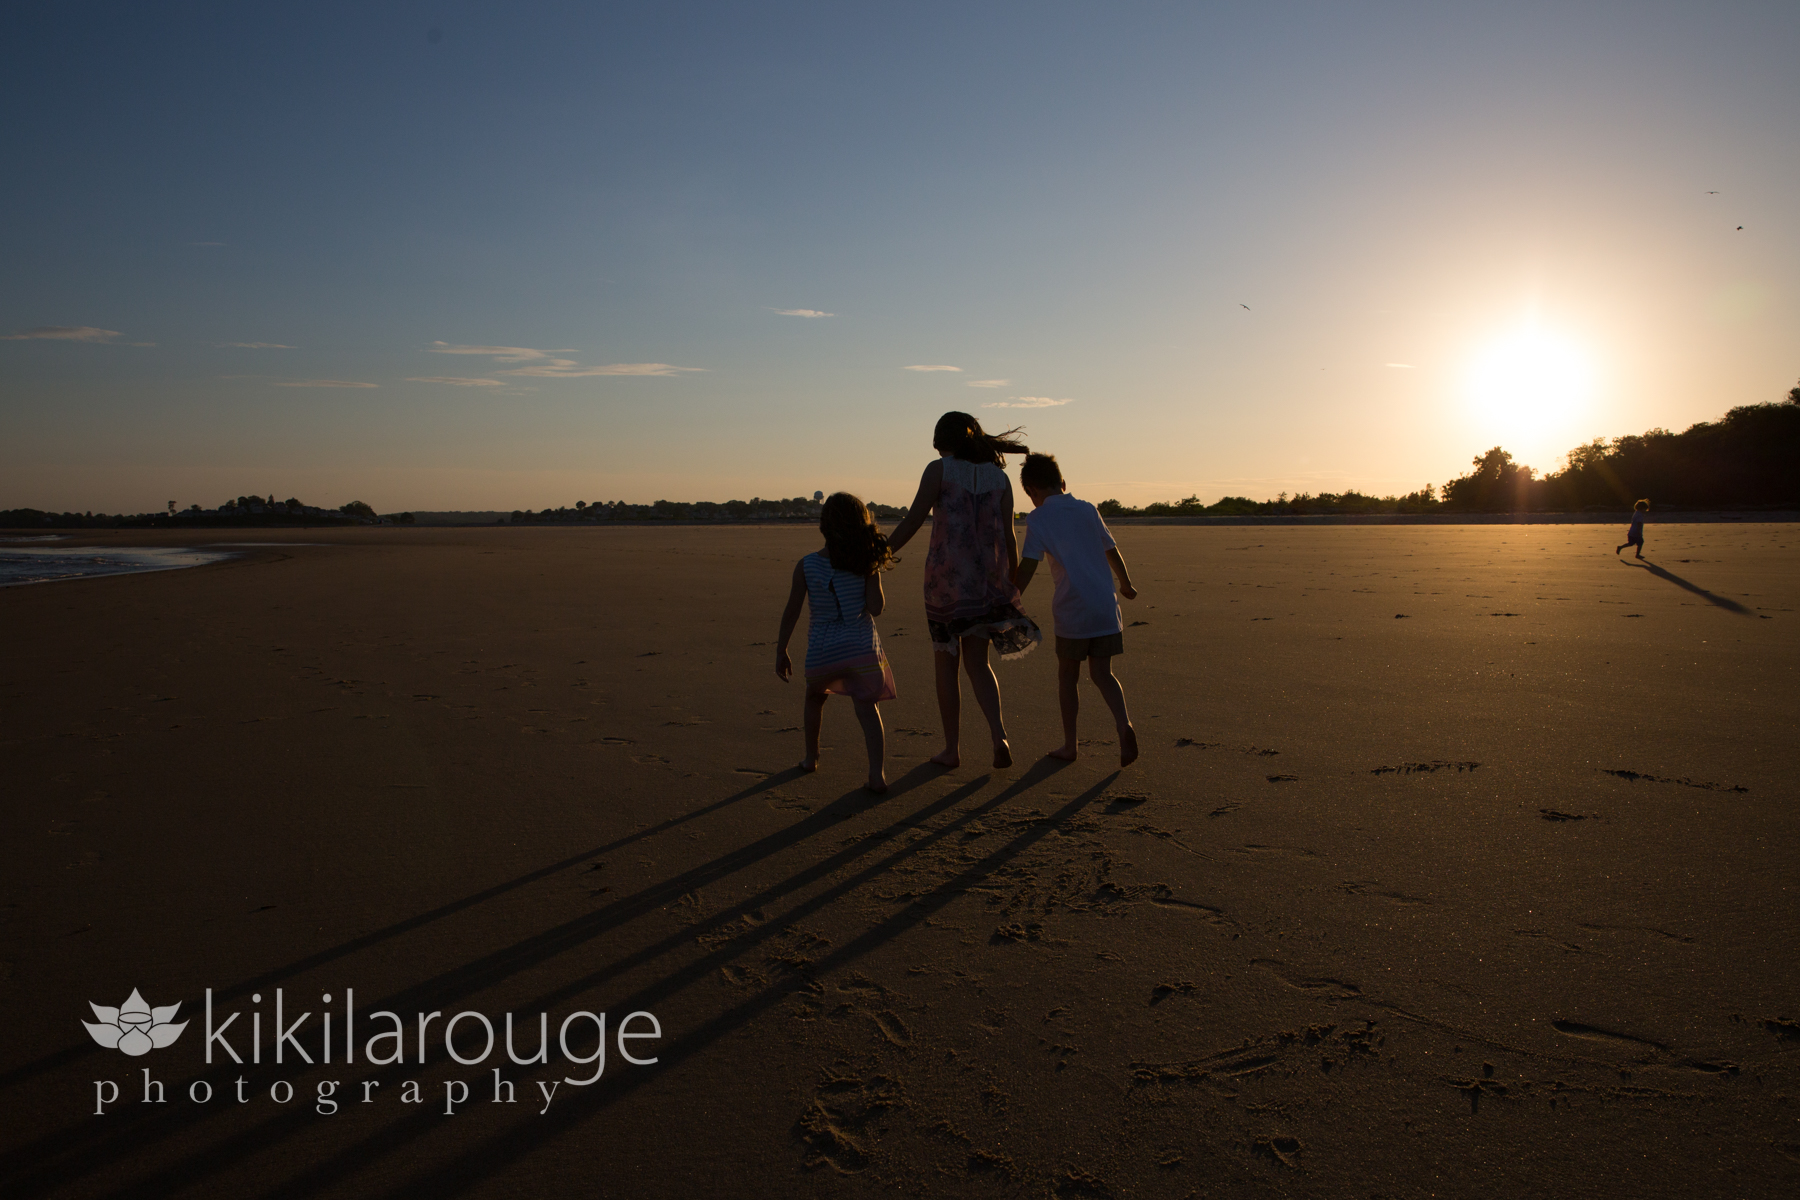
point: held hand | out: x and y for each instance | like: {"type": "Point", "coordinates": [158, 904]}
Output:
{"type": "Point", "coordinates": [784, 666]}
{"type": "Point", "coordinates": [1127, 591]}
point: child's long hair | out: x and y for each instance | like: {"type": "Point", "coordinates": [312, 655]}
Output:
{"type": "Point", "coordinates": [852, 541]}
{"type": "Point", "coordinates": [961, 436]}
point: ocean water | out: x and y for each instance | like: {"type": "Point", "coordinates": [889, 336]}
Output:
{"type": "Point", "coordinates": [20, 565]}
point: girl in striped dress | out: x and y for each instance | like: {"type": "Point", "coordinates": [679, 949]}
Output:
{"type": "Point", "coordinates": [841, 584]}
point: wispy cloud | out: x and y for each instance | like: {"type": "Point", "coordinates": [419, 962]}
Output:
{"type": "Point", "coordinates": [802, 312]}
{"type": "Point", "coordinates": [990, 382]}
{"type": "Point", "coordinates": [497, 353]}
{"type": "Point", "coordinates": [343, 383]}
{"type": "Point", "coordinates": [1402, 366]}
{"type": "Point", "coordinates": [457, 380]}
{"type": "Point", "coordinates": [62, 333]}
{"type": "Point", "coordinates": [568, 368]}
{"type": "Point", "coordinates": [1029, 402]}
{"type": "Point", "coordinates": [543, 364]}
{"type": "Point", "coordinates": [931, 367]}
{"type": "Point", "coordinates": [258, 345]}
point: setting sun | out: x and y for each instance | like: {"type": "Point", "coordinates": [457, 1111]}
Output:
{"type": "Point", "coordinates": [1531, 390]}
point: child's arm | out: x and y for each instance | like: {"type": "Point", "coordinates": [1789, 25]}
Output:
{"type": "Point", "coordinates": [930, 484]}
{"type": "Point", "coordinates": [1022, 575]}
{"type": "Point", "coordinates": [1117, 562]}
{"type": "Point", "coordinates": [1012, 541]}
{"type": "Point", "coordinates": [874, 599]}
{"type": "Point", "coordinates": [790, 617]}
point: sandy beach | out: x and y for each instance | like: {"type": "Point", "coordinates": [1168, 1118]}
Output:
{"type": "Point", "coordinates": [1460, 861]}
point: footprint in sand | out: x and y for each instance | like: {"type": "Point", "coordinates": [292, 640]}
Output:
{"type": "Point", "coordinates": [1282, 1150]}
{"type": "Point", "coordinates": [1425, 768]}
{"type": "Point", "coordinates": [1643, 1048]}
{"type": "Point", "coordinates": [1634, 776]}
{"type": "Point", "coordinates": [1121, 801]}
{"type": "Point", "coordinates": [1318, 985]}
{"type": "Point", "coordinates": [1181, 987]}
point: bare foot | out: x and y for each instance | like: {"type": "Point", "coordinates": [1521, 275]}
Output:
{"type": "Point", "coordinates": [1128, 747]}
{"type": "Point", "coordinates": [1002, 755]}
{"type": "Point", "coordinates": [878, 786]}
{"type": "Point", "coordinates": [1066, 752]}
{"type": "Point", "coordinates": [809, 765]}
{"type": "Point", "coordinates": [947, 758]}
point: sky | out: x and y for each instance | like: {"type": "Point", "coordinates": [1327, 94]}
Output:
{"type": "Point", "coordinates": [470, 257]}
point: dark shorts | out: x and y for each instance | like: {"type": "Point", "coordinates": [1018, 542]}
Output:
{"type": "Point", "coordinates": [1094, 647]}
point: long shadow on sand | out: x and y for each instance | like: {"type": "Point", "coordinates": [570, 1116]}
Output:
{"type": "Point", "coordinates": [495, 1154]}
{"type": "Point", "coordinates": [84, 1148]}
{"type": "Point", "coordinates": [275, 975]}
{"type": "Point", "coordinates": [1678, 581]}
{"type": "Point", "coordinates": [614, 914]}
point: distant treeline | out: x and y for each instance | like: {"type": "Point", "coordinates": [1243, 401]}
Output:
{"type": "Point", "coordinates": [1304, 504]}
{"type": "Point", "coordinates": [755, 509]}
{"type": "Point", "coordinates": [1749, 458]}
{"type": "Point", "coordinates": [243, 511]}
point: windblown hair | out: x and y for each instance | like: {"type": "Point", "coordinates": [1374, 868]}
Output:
{"type": "Point", "coordinates": [852, 541]}
{"type": "Point", "coordinates": [961, 436]}
{"type": "Point", "coordinates": [1642, 506]}
{"type": "Point", "coordinates": [1041, 471]}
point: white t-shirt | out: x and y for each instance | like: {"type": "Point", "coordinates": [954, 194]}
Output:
{"type": "Point", "coordinates": [1071, 532]}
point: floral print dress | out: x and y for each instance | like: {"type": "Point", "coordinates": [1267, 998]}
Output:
{"type": "Point", "coordinates": [969, 590]}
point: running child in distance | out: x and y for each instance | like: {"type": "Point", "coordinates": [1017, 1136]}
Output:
{"type": "Point", "coordinates": [1083, 561]}
{"type": "Point", "coordinates": [1635, 535]}
{"type": "Point", "coordinates": [841, 585]}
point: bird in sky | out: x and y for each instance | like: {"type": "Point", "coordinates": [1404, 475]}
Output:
{"type": "Point", "coordinates": [1246, 307]}
{"type": "Point", "coordinates": [1712, 193]}
{"type": "Point", "coordinates": [1740, 227]}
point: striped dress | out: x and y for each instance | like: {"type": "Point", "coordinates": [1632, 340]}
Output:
{"type": "Point", "coordinates": [843, 651]}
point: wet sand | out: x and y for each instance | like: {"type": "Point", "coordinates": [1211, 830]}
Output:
{"type": "Point", "coordinates": [1459, 861]}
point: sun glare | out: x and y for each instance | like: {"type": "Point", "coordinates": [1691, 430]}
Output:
{"type": "Point", "coordinates": [1532, 389]}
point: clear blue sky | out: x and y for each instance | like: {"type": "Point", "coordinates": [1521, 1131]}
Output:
{"type": "Point", "coordinates": [1243, 248]}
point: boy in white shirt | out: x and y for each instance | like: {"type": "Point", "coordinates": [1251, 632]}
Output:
{"type": "Point", "coordinates": [1083, 561]}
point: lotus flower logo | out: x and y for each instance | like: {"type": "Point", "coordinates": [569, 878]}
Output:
{"type": "Point", "coordinates": [134, 1027]}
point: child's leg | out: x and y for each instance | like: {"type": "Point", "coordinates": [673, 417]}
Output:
{"type": "Point", "coordinates": [1100, 671]}
{"type": "Point", "coordinates": [876, 740]}
{"type": "Point", "coordinates": [949, 696]}
{"type": "Point", "coordinates": [987, 695]}
{"type": "Point", "coordinates": [1068, 679]}
{"type": "Point", "coordinates": [815, 717]}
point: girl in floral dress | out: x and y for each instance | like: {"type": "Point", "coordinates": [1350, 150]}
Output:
{"type": "Point", "coordinates": [970, 600]}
